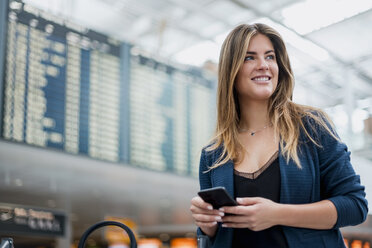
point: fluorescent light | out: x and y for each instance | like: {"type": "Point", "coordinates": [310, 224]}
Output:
{"type": "Point", "coordinates": [199, 53]}
{"type": "Point", "coordinates": [297, 41]}
{"type": "Point", "coordinates": [305, 17]}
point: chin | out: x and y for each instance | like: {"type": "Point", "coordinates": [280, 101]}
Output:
{"type": "Point", "coordinates": [264, 95]}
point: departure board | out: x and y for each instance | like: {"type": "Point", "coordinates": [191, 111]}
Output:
{"type": "Point", "coordinates": [70, 88]}
{"type": "Point", "coordinates": [171, 116]}
{"type": "Point", "coordinates": [61, 85]}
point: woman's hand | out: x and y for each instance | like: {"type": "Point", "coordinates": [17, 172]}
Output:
{"type": "Point", "coordinates": [205, 216]}
{"type": "Point", "coordinates": [255, 213]}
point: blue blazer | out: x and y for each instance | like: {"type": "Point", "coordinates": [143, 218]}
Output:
{"type": "Point", "coordinates": [326, 173]}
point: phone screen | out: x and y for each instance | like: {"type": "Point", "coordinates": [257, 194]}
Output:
{"type": "Point", "coordinates": [218, 197]}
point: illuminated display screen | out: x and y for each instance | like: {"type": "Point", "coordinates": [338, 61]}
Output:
{"type": "Point", "coordinates": [73, 89]}
{"type": "Point", "coordinates": [61, 85]}
{"type": "Point", "coordinates": [171, 116]}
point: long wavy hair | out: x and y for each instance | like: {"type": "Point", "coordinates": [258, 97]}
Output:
{"type": "Point", "coordinates": [285, 116]}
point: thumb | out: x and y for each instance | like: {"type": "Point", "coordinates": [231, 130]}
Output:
{"type": "Point", "coordinates": [247, 200]}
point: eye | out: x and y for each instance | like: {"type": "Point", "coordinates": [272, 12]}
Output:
{"type": "Point", "coordinates": [248, 58]}
{"type": "Point", "coordinates": [270, 57]}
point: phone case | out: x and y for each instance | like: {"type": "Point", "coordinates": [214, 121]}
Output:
{"type": "Point", "coordinates": [218, 197]}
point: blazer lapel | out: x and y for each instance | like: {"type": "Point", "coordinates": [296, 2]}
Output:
{"type": "Point", "coordinates": [284, 180]}
{"type": "Point", "coordinates": [296, 184]}
{"type": "Point", "coordinates": [223, 176]}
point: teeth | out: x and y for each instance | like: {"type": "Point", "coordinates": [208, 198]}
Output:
{"type": "Point", "coordinates": [261, 79]}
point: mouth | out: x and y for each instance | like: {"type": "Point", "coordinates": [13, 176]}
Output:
{"type": "Point", "coordinates": [261, 78]}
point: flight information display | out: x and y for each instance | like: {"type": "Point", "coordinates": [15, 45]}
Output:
{"type": "Point", "coordinates": [73, 89]}
{"type": "Point", "coordinates": [171, 116]}
{"type": "Point", "coordinates": [61, 85]}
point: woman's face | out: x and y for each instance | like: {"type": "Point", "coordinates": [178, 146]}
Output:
{"type": "Point", "coordinates": [258, 77]}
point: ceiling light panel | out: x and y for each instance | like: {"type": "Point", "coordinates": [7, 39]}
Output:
{"type": "Point", "coordinates": [266, 6]}
{"type": "Point", "coordinates": [310, 15]}
{"type": "Point", "coordinates": [297, 41]}
{"type": "Point", "coordinates": [349, 40]}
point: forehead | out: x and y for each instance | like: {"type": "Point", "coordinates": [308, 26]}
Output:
{"type": "Point", "coordinates": [260, 42]}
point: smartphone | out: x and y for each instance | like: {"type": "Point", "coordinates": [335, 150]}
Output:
{"type": "Point", "coordinates": [217, 196]}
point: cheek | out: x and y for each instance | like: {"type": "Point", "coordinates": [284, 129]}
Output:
{"type": "Point", "coordinates": [240, 78]}
{"type": "Point", "coordinates": [275, 70]}
{"type": "Point", "coordinates": [275, 85]}
{"type": "Point", "coordinates": [245, 70]}
{"type": "Point", "coordinates": [239, 85]}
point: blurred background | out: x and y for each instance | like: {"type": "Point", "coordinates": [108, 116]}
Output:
{"type": "Point", "coordinates": [106, 104]}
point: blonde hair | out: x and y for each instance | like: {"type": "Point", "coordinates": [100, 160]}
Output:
{"type": "Point", "coordinates": [286, 116]}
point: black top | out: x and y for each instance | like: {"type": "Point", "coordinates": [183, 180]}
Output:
{"type": "Point", "coordinates": [263, 183]}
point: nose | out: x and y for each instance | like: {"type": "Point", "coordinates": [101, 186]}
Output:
{"type": "Point", "coordinates": [262, 64]}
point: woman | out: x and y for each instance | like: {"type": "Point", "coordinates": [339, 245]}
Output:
{"type": "Point", "coordinates": [282, 161]}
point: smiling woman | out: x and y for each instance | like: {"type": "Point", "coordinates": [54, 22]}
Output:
{"type": "Point", "coordinates": [283, 162]}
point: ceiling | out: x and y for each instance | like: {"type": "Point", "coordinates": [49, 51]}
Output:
{"type": "Point", "coordinates": [328, 40]}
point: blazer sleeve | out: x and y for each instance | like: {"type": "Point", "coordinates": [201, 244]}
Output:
{"type": "Point", "coordinates": [204, 179]}
{"type": "Point", "coordinates": [339, 182]}
{"type": "Point", "coordinates": [205, 183]}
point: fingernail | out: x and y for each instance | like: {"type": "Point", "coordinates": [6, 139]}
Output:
{"type": "Point", "coordinates": [218, 218]}
{"type": "Point", "coordinates": [239, 200]}
{"type": "Point", "coordinates": [210, 207]}
{"type": "Point", "coordinates": [224, 225]}
{"type": "Point", "coordinates": [222, 209]}
{"type": "Point", "coordinates": [221, 213]}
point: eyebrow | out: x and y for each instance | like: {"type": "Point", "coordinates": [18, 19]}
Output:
{"type": "Point", "coordinates": [269, 51]}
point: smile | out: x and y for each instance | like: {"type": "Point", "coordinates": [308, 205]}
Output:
{"type": "Point", "coordinates": [261, 78]}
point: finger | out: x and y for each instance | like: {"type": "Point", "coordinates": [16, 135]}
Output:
{"type": "Point", "coordinates": [235, 219]}
{"type": "Point", "coordinates": [238, 210]}
{"type": "Point", "coordinates": [198, 201]}
{"type": "Point", "coordinates": [206, 218]}
{"type": "Point", "coordinates": [248, 200]}
{"type": "Point", "coordinates": [197, 210]}
{"type": "Point", "coordinates": [206, 224]}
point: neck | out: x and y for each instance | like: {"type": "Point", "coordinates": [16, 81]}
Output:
{"type": "Point", "coordinates": [254, 115]}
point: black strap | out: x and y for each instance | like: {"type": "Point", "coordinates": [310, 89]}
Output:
{"type": "Point", "coordinates": [133, 242]}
